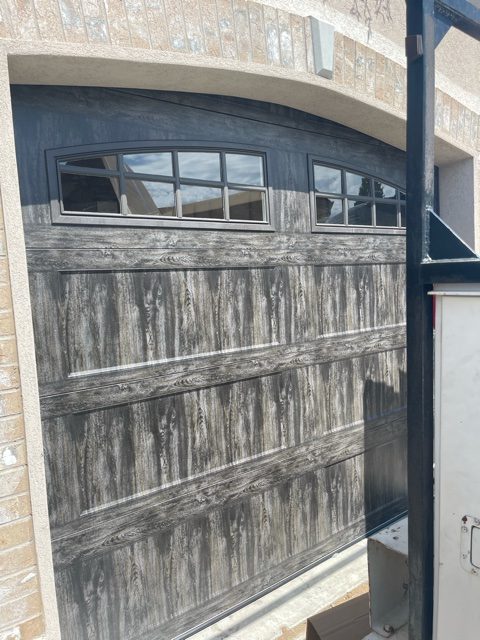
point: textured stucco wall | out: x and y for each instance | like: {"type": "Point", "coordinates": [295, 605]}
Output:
{"type": "Point", "coordinates": [27, 595]}
{"type": "Point", "coordinates": [260, 50]}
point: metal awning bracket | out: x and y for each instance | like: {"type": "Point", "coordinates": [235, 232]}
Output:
{"type": "Point", "coordinates": [413, 47]}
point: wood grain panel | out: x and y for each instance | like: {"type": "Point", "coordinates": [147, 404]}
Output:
{"type": "Point", "coordinates": [144, 446]}
{"type": "Point", "coordinates": [217, 555]}
{"type": "Point", "coordinates": [214, 258]}
{"type": "Point", "coordinates": [124, 523]}
{"type": "Point", "coordinates": [220, 409]}
{"type": "Point", "coordinates": [126, 385]}
{"type": "Point", "coordinates": [355, 249]}
{"type": "Point", "coordinates": [181, 627]}
{"type": "Point", "coordinates": [110, 320]}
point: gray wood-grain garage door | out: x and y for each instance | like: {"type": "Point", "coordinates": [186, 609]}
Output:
{"type": "Point", "coordinates": [221, 406]}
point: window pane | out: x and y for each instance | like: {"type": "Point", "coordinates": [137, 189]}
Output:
{"type": "Point", "coordinates": [327, 179]}
{"type": "Point", "coordinates": [200, 165]}
{"type": "Point", "coordinates": [202, 202]}
{"type": "Point", "coordinates": [98, 162]}
{"type": "Point", "coordinates": [146, 198]}
{"type": "Point", "coordinates": [359, 213]}
{"type": "Point", "coordinates": [383, 190]}
{"type": "Point", "coordinates": [246, 205]}
{"type": "Point", "coordinates": [244, 168]}
{"type": "Point", "coordinates": [386, 214]}
{"type": "Point", "coordinates": [329, 210]}
{"type": "Point", "coordinates": [402, 196]}
{"type": "Point", "coordinates": [358, 185]}
{"type": "Point", "coordinates": [159, 164]}
{"type": "Point", "coordinates": [92, 194]}
{"type": "Point", "coordinates": [402, 215]}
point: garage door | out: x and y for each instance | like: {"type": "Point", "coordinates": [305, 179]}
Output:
{"type": "Point", "coordinates": [218, 303]}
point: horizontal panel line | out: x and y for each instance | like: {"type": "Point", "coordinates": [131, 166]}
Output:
{"type": "Point", "coordinates": [122, 387]}
{"type": "Point", "coordinates": [73, 260]}
{"type": "Point", "coordinates": [124, 523]}
{"type": "Point", "coordinates": [182, 481]}
{"type": "Point", "coordinates": [151, 363]}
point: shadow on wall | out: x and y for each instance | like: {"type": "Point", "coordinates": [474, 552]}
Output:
{"type": "Point", "coordinates": [385, 467]}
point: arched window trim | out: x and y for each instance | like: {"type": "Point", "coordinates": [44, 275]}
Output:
{"type": "Point", "coordinates": [61, 216]}
{"type": "Point", "coordinates": [345, 227]}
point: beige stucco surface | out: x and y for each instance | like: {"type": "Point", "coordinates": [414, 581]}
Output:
{"type": "Point", "coordinates": [26, 361]}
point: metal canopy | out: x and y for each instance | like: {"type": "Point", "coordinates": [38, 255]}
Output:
{"type": "Point", "coordinates": [434, 255]}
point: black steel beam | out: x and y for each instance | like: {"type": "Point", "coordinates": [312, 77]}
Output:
{"type": "Point", "coordinates": [427, 21]}
{"type": "Point", "coordinates": [450, 270]}
{"type": "Point", "coordinates": [420, 199]}
{"type": "Point", "coordinates": [461, 14]}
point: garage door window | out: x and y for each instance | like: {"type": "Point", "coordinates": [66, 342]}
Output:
{"type": "Point", "coordinates": [350, 200]}
{"type": "Point", "coordinates": [175, 187]}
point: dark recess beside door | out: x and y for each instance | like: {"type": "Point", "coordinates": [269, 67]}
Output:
{"type": "Point", "coordinates": [223, 402]}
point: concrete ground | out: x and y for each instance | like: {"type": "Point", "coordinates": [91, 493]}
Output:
{"type": "Point", "coordinates": [282, 614]}
{"type": "Point", "coordinates": [401, 634]}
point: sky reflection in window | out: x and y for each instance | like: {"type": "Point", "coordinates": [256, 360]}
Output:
{"type": "Point", "coordinates": [246, 169]}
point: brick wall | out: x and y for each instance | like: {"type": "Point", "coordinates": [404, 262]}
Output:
{"type": "Point", "coordinates": [20, 602]}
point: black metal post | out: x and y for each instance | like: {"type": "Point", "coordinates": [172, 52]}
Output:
{"type": "Point", "coordinates": [420, 196]}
